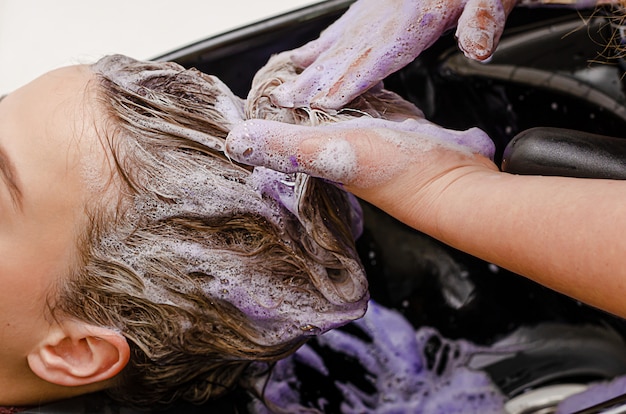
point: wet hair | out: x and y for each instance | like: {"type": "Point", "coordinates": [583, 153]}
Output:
{"type": "Point", "coordinates": [203, 264]}
{"type": "Point", "coordinates": [615, 50]}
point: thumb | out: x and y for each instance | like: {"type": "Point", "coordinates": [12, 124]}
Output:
{"type": "Point", "coordinates": [319, 151]}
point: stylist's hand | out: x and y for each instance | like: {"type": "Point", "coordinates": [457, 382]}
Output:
{"type": "Point", "coordinates": [375, 38]}
{"type": "Point", "coordinates": [384, 162]}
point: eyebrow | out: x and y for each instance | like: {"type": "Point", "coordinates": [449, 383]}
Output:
{"type": "Point", "coordinates": [9, 176]}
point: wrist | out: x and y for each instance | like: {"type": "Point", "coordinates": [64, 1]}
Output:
{"type": "Point", "coordinates": [448, 202]}
{"type": "Point", "coordinates": [424, 195]}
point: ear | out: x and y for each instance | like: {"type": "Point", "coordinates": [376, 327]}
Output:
{"type": "Point", "coordinates": [76, 353]}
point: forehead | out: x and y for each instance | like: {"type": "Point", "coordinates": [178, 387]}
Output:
{"type": "Point", "coordinates": [49, 109]}
{"type": "Point", "coordinates": [47, 133]}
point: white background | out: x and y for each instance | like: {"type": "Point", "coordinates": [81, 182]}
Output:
{"type": "Point", "coordinates": [39, 35]}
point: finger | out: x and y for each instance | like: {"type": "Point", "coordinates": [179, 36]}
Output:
{"type": "Point", "coordinates": [480, 27]}
{"type": "Point", "coordinates": [305, 55]}
{"type": "Point", "coordinates": [321, 152]}
{"type": "Point", "coordinates": [320, 58]}
{"type": "Point", "coordinates": [348, 68]}
{"type": "Point", "coordinates": [339, 75]}
{"type": "Point", "coordinates": [474, 140]}
{"type": "Point", "coordinates": [335, 79]}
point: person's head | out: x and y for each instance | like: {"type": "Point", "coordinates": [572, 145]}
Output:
{"type": "Point", "coordinates": [138, 258]}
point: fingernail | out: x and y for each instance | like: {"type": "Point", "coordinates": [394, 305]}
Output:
{"type": "Point", "coordinates": [477, 44]}
{"type": "Point", "coordinates": [242, 145]}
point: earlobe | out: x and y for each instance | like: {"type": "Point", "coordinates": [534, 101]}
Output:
{"type": "Point", "coordinates": [76, 353]}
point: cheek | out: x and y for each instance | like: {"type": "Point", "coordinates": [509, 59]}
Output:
{"type": "Point", "coordinates": [33, 256]}
{"type": "Point", "coordinates": [22, 305]}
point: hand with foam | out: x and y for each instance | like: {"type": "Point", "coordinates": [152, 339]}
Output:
{"type": "Point", "coordinates": [375, 38]}
{"type": "Point", "coordinates": [377, 160]}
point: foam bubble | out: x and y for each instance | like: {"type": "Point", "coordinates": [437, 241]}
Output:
{"type": "Point", "coordinates": [337, 159]}
{"type": "Point", "coordinates": [405, 371]}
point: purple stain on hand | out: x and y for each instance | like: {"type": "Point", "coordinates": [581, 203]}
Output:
{"type": "Point", "coordinates": [427, 19]}
{"type": "Point", "coordinates": [477, 141]}
{"type": "Point", "coordinates": [294, 161]}
{"type": "Point", "coordinates": [254, 142]}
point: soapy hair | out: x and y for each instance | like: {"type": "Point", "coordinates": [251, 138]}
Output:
{"type": "Point", "coordinates": [204, 265]}
{"type": "Point", "coordinates": [611, 36]}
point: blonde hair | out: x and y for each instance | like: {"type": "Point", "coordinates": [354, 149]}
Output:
{"type": "Point", "coordinates": [616, 43]}
{"type": "Point", "coordinates": [205, 265]}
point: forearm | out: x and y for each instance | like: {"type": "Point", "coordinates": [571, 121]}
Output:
{"type": "Point", "coordinates": [565, 233]}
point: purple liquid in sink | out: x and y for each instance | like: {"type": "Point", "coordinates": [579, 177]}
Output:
{"type": "Point", "coordinates": [405, 371]}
